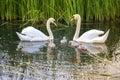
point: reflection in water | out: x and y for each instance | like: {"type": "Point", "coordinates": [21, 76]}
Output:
{"type": "Point", "coordinates": [30, 47]}
{"type": "Point", "coordinates": [106, 67]}
{"type": "Point", "coordinates": [94, 48]}
{"type": "Point", "coordinates": [51, 60]}
{"type": "Point", "coordinates": [89, 49]}
{"type": "Point", "coordinates": [52, 68]}
{"type": "Point", "coordinates": [51, 52]}
{"type": "Point", "coordinates": [59, 62]}
{"type": "Point", "coordinates": [117, 48]}
{"type": "Point", "coordinates": [78, 59]}
{"type": "Point", "coordinates": [35, 70]}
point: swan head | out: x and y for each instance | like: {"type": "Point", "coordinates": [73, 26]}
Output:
{"type": "Point", "coordinates": [52, 20]}
{"type": "Point", "coordinates": [75, 17]}
{"type": "Point", "coordinates": [73, 44]}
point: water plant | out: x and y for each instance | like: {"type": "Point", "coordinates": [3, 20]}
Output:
{"type": "Point", "coordinates": [35, 10]}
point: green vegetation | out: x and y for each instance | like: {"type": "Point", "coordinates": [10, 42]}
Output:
{"type": "Point", "coordinates": [35, 10]}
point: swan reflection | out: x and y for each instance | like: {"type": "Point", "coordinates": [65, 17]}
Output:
{"type": "Point", "coordinates": [93, 48]}
{"type": "Point", "coordinates": [51, 52]}
{"type": "Point", "coordinates": [30, 47]}
{"type": "Point", "coordinates": [34, 47]}
{"type": "Point", "coordinates": [109, 67]}
{"type": "Point", "coordinates": [90, 49]}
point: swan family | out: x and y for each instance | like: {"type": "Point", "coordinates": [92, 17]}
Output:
{"type": "Point", "coordinates": [92, 36]}
{"type": "Point", "coordinates": [32, 34]}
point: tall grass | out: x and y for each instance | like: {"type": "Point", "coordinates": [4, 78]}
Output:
{"type": "Point", "coordinates": [35, 10]}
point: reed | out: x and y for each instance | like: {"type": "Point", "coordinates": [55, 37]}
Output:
{"type": "Point", "coordinates": [35, 10]}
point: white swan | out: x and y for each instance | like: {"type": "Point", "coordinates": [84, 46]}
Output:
{"type": "Point", "coordinates": [91, 36]}
{"type": "Point", "coordinates": [32, 34]}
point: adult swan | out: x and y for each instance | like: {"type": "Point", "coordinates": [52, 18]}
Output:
{"type": "Point", "coordinates": [32, 34]}
{"type": "Point", "coordinates": [91, 36]}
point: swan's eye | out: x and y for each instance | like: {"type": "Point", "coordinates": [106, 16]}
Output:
{"type": "Point", "coordinates": [54, 21]}
{"type": "Point", "coordinates": [72, 17]}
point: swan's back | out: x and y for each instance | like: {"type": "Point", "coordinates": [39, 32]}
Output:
{"type": "Point", "coordinates": [32, 32]}
{"type": "Point", "coordinates": [91, 34]}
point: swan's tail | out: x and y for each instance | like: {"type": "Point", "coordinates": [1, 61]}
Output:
{"type": "Point", "coordinates": [105, 36]}
{"type": "Point", "coordinates": [23, 37]}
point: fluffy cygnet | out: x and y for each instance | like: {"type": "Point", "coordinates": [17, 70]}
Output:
{"type": "Point", "coordinates": [64, 40]}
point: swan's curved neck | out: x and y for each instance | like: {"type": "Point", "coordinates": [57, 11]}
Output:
{"type": "Point", "coordinates": [77, 28]}
{"type": "Point", "coordinates": [49, 30]}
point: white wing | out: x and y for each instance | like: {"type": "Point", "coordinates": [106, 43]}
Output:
{"type": "Point", "coordinates": [23, 37]}
{"type": "Point", "coordinates": [32, 32]}
{"type": "Point", "coordinates": [90, 34]}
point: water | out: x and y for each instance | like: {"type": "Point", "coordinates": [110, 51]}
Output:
{"type": "Point", "coordinates": [36, 61]}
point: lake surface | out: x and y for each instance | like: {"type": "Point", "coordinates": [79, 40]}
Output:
{"type": "Point", "coordinates": [36, 61]}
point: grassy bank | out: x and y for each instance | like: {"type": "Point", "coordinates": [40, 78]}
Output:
{"type": "Point", "coordinates": [35, 10]}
